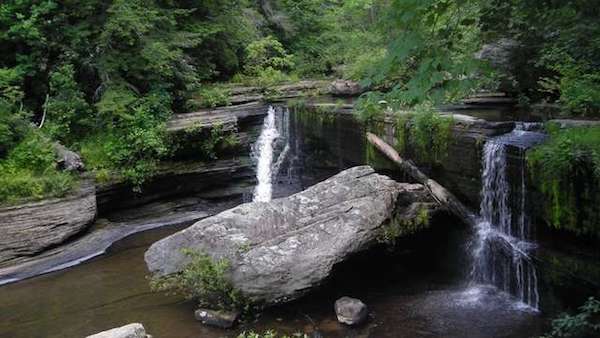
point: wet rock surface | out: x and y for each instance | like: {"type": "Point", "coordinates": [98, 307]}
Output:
{"type": "Point", "coordinates": [221, 319]}
{"type": "Point", "coordinates": [280, 250]}
{"type": "Point", "coordinates": [351, 311]}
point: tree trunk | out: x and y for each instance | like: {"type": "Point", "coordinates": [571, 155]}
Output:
{"type": "Point", "coordinates": [441, 194]}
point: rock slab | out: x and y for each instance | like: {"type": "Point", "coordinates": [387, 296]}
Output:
{"type": "Point", "coordinates": [29, 229]}
{"type": "Point", "coordinates": [280, 250]}
{"type": "Point", "coordinates": [134, 330]}
{"type": "Point", "coordinates": [351, 311]}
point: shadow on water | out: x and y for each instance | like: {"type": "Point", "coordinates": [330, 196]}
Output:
{"type": "Point", "coordinates": [415, 290]}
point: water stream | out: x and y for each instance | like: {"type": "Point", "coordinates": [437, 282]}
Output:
{"type": "Point", "coordinates": [263, 152]}
{"type": "Point", "coordinates": [504, 238]}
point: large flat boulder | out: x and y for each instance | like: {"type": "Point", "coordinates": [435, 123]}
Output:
{"type": "Point", "coordinates": [280, 250]}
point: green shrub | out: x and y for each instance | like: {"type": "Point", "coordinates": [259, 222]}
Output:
{"type": "Point", "coordinates": [210, 97]}
{"type": "Point", "coordinates": [205, 281]}
{"type": "Point", "coordinates": [29, 172]}
{"type": "Point", "coordinates": [267, 53]}
{"type": "Point", "coordinates": [584, 324]}
{"type": "Point", "coordinates": [370, 106]}
{"type": "Point", "coordinates": [68, 114]}
{"type": "Point", "coordinates": [566, 169]}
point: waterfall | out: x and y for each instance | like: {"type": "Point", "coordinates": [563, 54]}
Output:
{"type": "Point", "coordinates": [503, 239]}
{"type": "Point", "coordinates": [263, 150]}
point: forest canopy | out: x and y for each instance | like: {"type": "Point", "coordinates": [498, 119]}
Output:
{"type": "Point", "coordinates": [105, 76]}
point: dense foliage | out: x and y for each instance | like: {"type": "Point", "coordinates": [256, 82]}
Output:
{"type": "Point", "coordinates": [567, 171]}
{"type": "Point", "coordinates": [105, 76]}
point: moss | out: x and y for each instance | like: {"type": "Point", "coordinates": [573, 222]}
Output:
{"type": "Point", "coordinates": [399, 227]}
{"type": "Point", "coordinates": [566, 170]}
{"type": "Point", "coordinates": [423, 134]}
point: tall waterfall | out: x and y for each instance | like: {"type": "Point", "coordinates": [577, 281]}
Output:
{"type": "Point", "coordinates": [504, 238]}
{"type": "Point", "coordinates": [264, 152]}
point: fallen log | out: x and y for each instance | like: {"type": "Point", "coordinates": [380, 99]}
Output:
{"type": "Point", "coordinates": [441, 194]}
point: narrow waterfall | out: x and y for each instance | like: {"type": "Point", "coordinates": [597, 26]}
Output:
{"type": "Point", "coordinates": [504, 239]}
{"type": "Point", "coordinates": [263, 151]}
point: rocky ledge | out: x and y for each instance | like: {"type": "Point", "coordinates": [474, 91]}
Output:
{"type": "Point", "coordinates": [29, 229]}
{"type": "Point", "coordinates": [280, 250]}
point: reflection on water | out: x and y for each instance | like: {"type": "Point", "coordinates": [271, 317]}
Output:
{"type": "Point", "coordinates": [414, 291]}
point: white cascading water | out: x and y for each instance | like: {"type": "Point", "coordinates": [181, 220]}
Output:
{"type": "Point", "coordinates": [264, 152]}
{"type": "Point", "coordinates": [503, 242]}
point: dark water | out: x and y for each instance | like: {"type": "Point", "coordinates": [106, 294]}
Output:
{"type": "Point", "coordinates": [415, 290]}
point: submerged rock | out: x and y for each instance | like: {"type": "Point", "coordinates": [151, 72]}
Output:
{"type": "Point", "coordinates": [351, 311]}
{"type": "Point", "coordinates": [134, 330]}
{"type": "Point", "coordinates": [280, 250]}
{"type": "Point", "coordinates": [222, 319]}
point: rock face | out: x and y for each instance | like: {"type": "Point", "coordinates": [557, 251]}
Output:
{"type": "Point", "coordinates": [350, 311]}
{"type": "Point", "coordinates": [134, 330]}
{"type": "Point", "coordinates": [281, 249]}
{"type": "Point", "coordinates": [224, 320]}
{"type": "Point", "coordinates": [345, 88]}
{"type": "Point", "coordinates": [29, 229]}
{"type": "Point", "coordinates": [500, 54]}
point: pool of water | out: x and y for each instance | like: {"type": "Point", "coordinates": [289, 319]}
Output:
{"type": "Point", "coordinates": [415, 289]}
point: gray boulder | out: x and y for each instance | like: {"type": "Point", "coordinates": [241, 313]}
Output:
{"type": "Point", "coordinates": [221, 319]}
{"type": "Point", "coordinates": [68, 160]}
{"type": "Point", "coordinates": [280, 250]}
{"type": "Point", "coordinates": [351, 311]}
{"type": "Point", "coordinates": [345, 88]}
{"type": "Point", "coordinates": [134, 330]}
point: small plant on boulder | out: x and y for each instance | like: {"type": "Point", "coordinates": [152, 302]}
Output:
{"type": "Point", "coordinates": [204, 280]}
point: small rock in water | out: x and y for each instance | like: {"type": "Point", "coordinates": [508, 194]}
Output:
{"type": "Point", "coordinates": [350, 311]}
{"type": "Point", "coordinates": [222, 319]}
{"type": "Point", "coordinates": [134, 330]}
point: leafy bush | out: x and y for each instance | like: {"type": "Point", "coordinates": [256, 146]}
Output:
{"type": "Point", "coordinates": [29, 172]}
{"type": "Point", "coordinates": [566, 169]}
{"type": "Point", "coordinates": [210, 97]}
{"type": "Point", "coordinates": [205, 281]}
{"type": "Point", "coordinates": [267, 53]}
{"type": "Point", "coordinates": [370, 106]}
{"type": "Point", "coordinates": [584, 324]}
{"type": "Point", "coordinates": [135, 141]}
{"type": "Point", "coordinates": [204, 143]}
{"type": "Point", "coordinates": [68, 113]}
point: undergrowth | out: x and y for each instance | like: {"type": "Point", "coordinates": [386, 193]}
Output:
{"type": "Point", "coordinates": [29, 172]}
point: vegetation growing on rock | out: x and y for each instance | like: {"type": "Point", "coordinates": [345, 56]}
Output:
{"type": "Point", "coordinates": [566, 169]}
{"type": "Point", "coordinates": [205, 281]}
